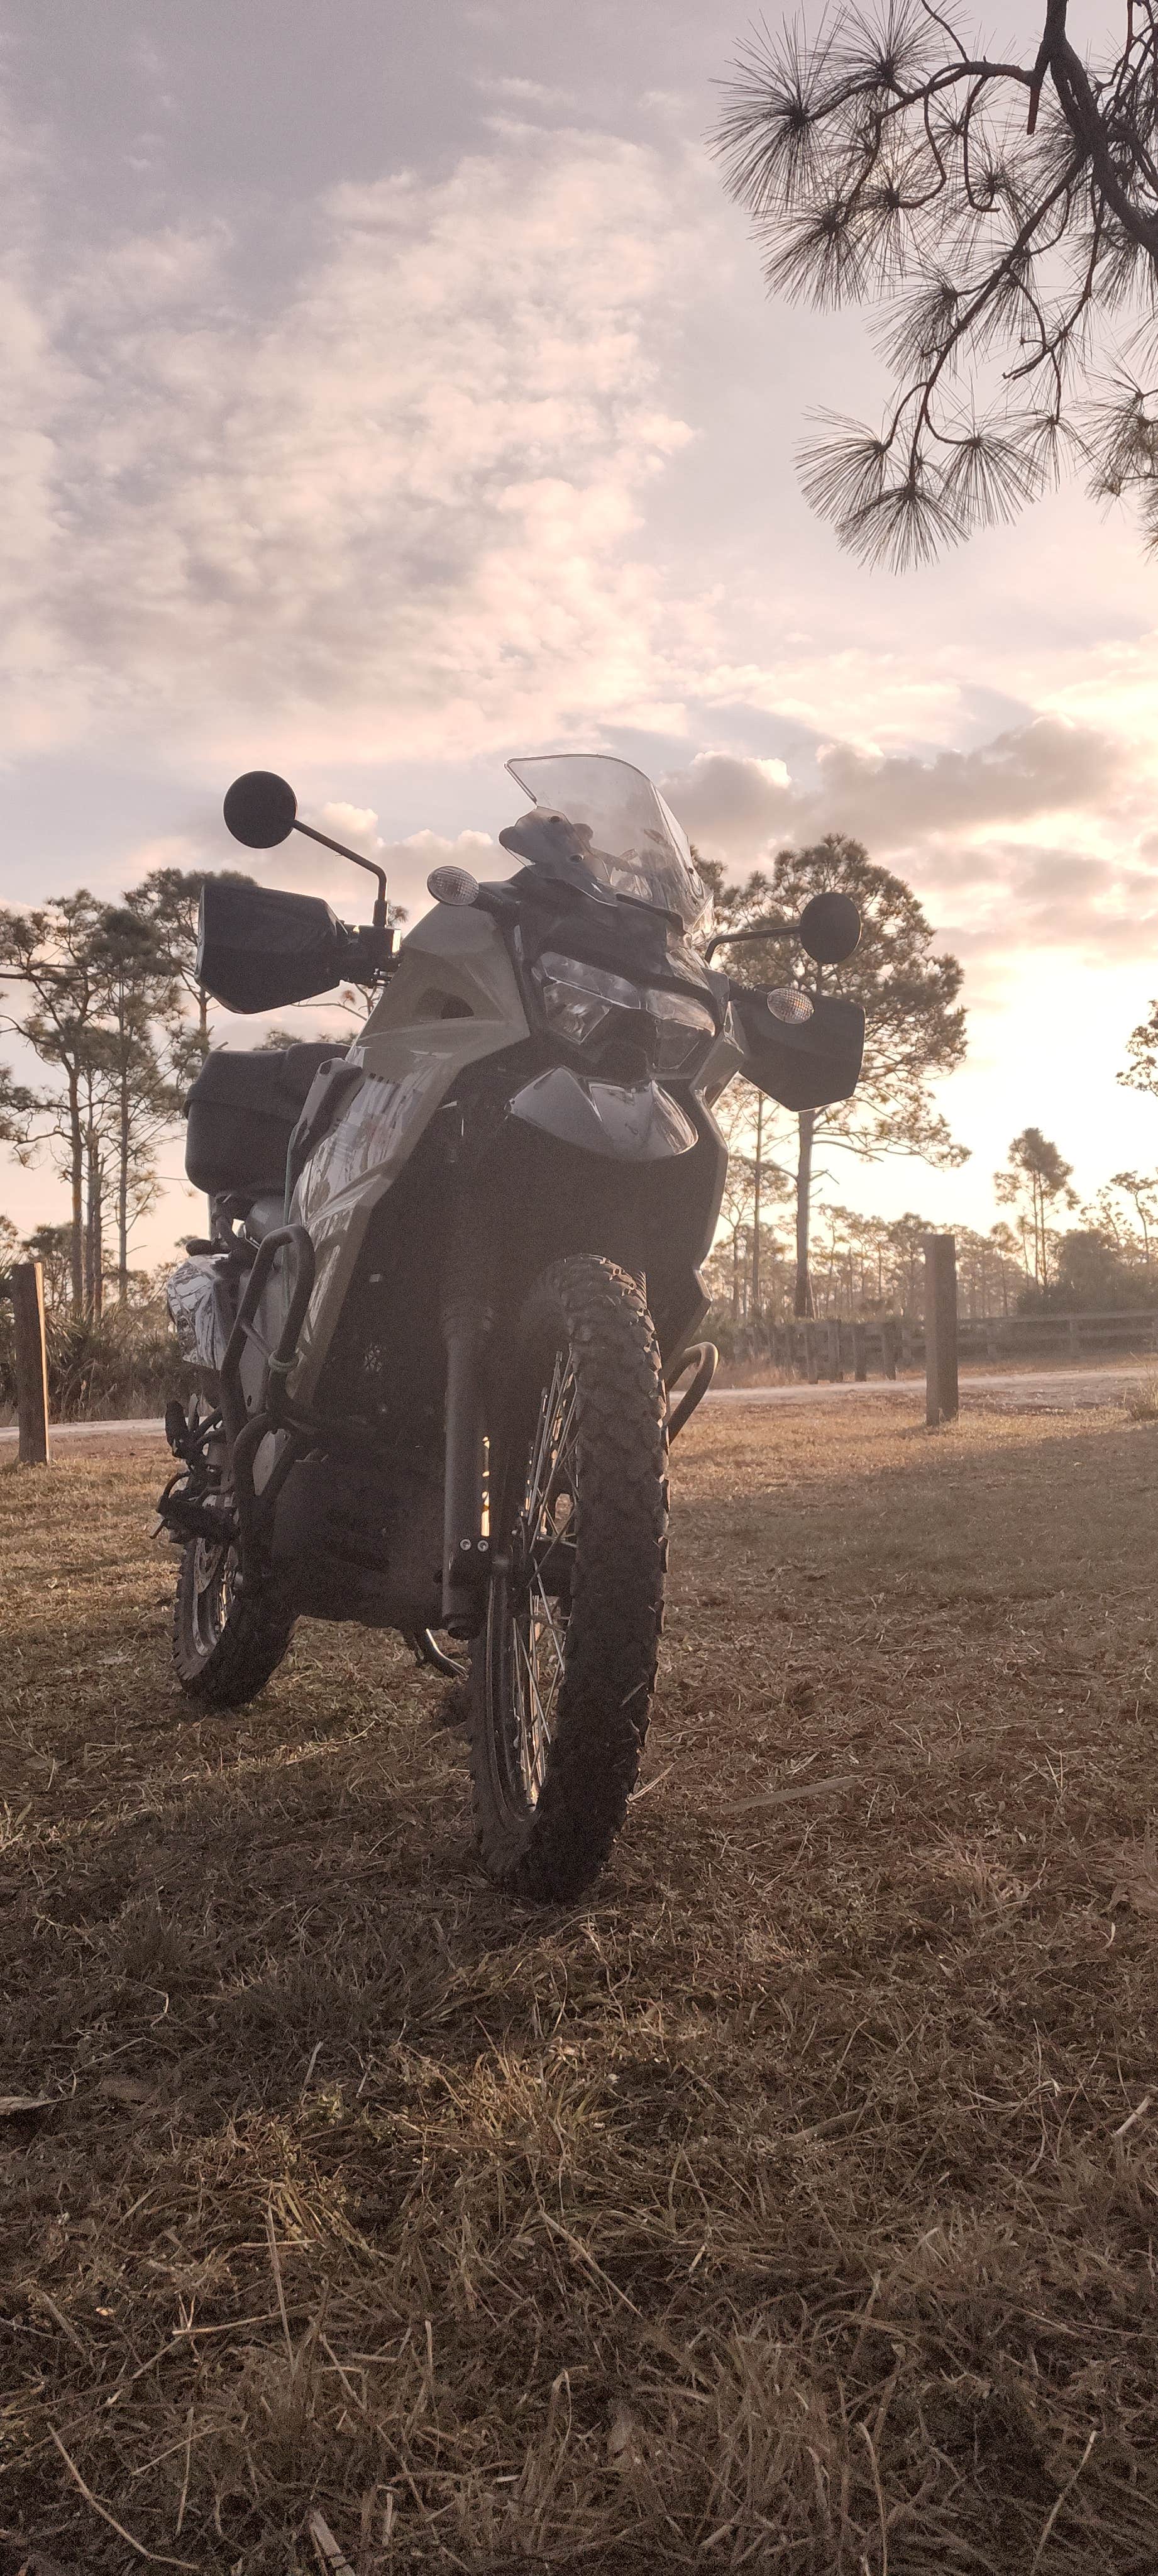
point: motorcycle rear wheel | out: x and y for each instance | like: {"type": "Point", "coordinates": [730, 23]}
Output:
{"type": "Point", "coordinates": [225, 1643]}
{"type": "Point", "coordinates": [563, 1670]}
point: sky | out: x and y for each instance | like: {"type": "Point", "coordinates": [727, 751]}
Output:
{"type": "Point", "coordinates": [389, 392]}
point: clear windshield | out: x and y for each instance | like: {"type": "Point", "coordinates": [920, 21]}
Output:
{"type": "Point", "coordinates": [636, 845]}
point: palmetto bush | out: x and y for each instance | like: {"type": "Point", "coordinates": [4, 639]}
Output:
{"type": "Point", "coordinates": [122, 1362]}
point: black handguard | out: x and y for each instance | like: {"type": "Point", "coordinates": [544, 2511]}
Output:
{"type": "Point", "coordinates": [803, 1067]}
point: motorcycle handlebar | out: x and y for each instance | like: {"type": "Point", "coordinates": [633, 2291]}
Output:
{"type": "Point", "coordinates": [759, 930]}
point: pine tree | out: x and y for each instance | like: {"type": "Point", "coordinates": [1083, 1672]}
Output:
{"type": "Point", "coordinates": [96, 984]}
{"type": "Point", "coordinates": [167, 903]}
{"type": "Point", "coordinates": [1036, 1179]}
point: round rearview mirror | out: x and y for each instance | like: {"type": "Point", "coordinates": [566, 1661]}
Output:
{"type": "Point", "coordinates": [260, 809]}
{"type": "Point", "coordinates": [829, 928]}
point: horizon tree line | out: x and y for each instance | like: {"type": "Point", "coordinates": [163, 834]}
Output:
{"type": "Point", "coordinates": [866, 1265]}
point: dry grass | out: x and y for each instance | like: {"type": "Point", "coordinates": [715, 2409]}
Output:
{"type": "Point", "coordinates": [790, 2207]}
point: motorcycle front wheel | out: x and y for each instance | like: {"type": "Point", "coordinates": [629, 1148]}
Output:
{"type": "Point", "coordinates": [563, 1670]}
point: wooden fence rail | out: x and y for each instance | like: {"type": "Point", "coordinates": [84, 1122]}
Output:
{"type": "Point", "coordinates": [877, 1345]}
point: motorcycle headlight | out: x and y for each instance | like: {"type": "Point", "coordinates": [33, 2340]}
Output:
{"type": "Point", "coordinates": [684, 1023]}
{"type": "Point", "coordinates": [577, 999]}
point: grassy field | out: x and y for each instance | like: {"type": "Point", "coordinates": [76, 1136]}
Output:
{"type": "Point", "coordinates": [791, 2206]}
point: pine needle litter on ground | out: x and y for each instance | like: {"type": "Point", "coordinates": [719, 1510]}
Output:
{"type": "Point", "coordinates": [790, 2206]}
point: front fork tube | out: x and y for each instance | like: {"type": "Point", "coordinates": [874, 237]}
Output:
{"type": "Point", "coordinates": [465, 1549]}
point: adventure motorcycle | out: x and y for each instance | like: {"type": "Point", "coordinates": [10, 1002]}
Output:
{"type": "Point", "coordinates": [451, 1282]}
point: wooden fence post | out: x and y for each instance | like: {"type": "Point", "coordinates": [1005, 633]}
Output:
{"type": "Point", "coordinates": [26, 1289]}
{"type": "Point", "coordinates": [835, 1360]}
{"type": "Point", "coordinates": [942, 1401]}
{"type": "Point", "coordinates": [890, 1332]}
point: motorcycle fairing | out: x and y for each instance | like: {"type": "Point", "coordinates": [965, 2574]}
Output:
{"type": "Point", "coordinates": [654, 1219]}
{"type": "Point", "coordinates": [453, 999]}
{"type": "Point", "coordinates": [629, 1123]}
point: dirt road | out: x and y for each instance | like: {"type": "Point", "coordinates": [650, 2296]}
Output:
{"type": "Point", "coordinates": [1036, 1390]}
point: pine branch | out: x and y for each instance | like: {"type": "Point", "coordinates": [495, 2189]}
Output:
{"type": "Point", "coordinates": [1011, 208]}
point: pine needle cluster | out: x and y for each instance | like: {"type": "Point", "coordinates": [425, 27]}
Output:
{"type": "Point", "coordinates": [1004, 216]}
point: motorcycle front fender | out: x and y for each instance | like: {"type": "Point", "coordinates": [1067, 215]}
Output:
{"type": "Point", "coordinates": [636, 1123]}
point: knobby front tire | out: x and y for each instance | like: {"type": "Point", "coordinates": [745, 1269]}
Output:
{"type": "Point", "coordinates": [563, 1671]}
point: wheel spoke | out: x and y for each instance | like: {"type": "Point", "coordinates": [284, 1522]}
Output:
{"type": "Point", "coordinates": [538, 1620]}
{"type": "Point", "coordinates": [547, 1413]}
{"type": "Point", "coordinates": [534, 1735]}
{"type": "Point", "coordinates": [566, 1440]}
{"type": "Point", "coordinates": [553, 1443]}
{"type": "Point", "coordinates": [548, 1624]}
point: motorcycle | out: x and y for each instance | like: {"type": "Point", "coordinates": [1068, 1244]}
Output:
{"type": "Point", "coordinates": [442, 1328]}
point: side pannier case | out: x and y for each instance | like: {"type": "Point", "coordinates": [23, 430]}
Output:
{"type": "Point", "coordinates": [242, 1111]}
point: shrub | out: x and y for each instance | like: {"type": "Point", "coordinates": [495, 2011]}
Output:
{"type": "Point", "coordinates": [1091, 1277]}
{"type": "Point", "coordinates": [125, 1361]}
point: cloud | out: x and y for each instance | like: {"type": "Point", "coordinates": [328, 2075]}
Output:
{"type": "Point", "coordinates": [399, 516]}
{"type": "Point", "coordinates": [738, 808]}
{"type": "Point", "coordinates": [520, 93]}
{"type": "Point", "coordinates": [1052, 896]}
{"type": "Point", "coordinates": [357, 825]}
{"type": "Point", "coordinates": [301, 866]}
{"type": "Point", "coordinates": [976, 831]}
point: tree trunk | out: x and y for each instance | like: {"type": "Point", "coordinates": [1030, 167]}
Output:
{"type": "Point", "coordinates": [94, 1232]}
{"type": "Point", "coordinates": [123, 1192]}
{"type": "Point", "coordinates": [756, 1207]}
{"type": "Point", "coordinates": [76, 1177]}
{"type": "Point", "coordinates": [802, 1297]}
{"type": "Point", "coordinates": [88, 1214]}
